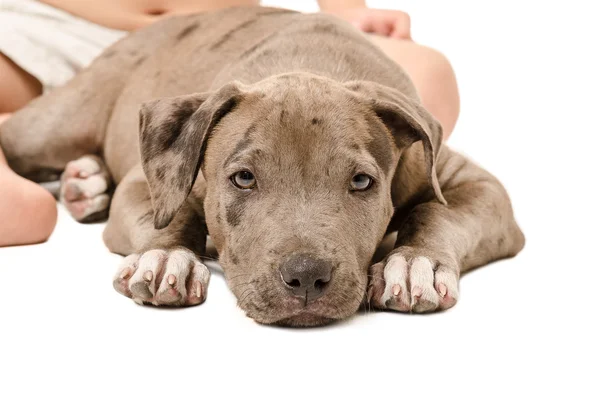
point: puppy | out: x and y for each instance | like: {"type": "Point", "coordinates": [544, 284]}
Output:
{"type": "Point", "coordinates": [291, 140]}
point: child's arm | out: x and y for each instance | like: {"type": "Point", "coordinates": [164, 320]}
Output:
{"type": "Point", "coordinates": [330, 5]}
{"type": "Point", "coordinates": [391, 23]}
{"type": "Point", "coordinates": [135, 14]}
{"type": "Point", "coordinates": [114, 14]}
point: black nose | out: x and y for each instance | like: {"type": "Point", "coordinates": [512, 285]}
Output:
{"type": "Point", "coordinates": [305, 276]}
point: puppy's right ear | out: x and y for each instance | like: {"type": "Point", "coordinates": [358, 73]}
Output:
{"type": "Point", "coordinates": [173, 137]}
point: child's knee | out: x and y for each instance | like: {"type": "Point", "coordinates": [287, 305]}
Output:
{"type": "Point", "coordinates": [46, 216]}
{"type": "Point", "coordinates": [431, 73]}
{"type": "Point", "coordinates": [438, 88]}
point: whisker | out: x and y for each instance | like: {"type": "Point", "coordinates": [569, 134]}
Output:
{"type": "Point", "coordinates": [240, 284]}
{"type": "Point", "coordinates": [239, 275]}
{"type": "Point", "coordinates": [208, 258]}
{"type": "Point", "coordinates": [357, 298]}
{"type": "Point", "coordinates": [245, 296]}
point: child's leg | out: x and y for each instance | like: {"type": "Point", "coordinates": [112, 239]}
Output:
{"type": "Point", "coordinates": [27, 211]}
{"type": "Point", "coordinates": [17, 87]}
{"type": "Point", "coordinates": [432, 75]}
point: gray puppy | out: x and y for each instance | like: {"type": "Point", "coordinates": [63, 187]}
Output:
{"type": "Point", "coordinates": [292, 140]}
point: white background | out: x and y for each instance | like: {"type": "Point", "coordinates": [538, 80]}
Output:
{"type": "Point", "coordinates": [528, 75]}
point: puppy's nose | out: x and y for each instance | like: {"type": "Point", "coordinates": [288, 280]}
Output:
{"type": "Point", "coordinates": [306, 277]}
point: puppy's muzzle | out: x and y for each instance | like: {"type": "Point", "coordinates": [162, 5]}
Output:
{"type": "Point", "coordinates": [306, 277]}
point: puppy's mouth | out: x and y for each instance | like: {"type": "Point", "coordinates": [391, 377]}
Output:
{"type": "Point", "coordinates": [305, 319]}
{"type": "Point", "coordinates": [269, 301]}
{"type": "Point", "coordinates": [294, 313]}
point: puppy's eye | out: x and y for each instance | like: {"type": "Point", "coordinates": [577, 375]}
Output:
{"type": "Point", "coordinates": [243, 180]}
{"type": "Point", "coordinates": [361, 182]}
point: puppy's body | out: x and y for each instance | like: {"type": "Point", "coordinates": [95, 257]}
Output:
{"type": "Point", "coordinates": [299, 100]}
{"type": "Point", "coordinates": [247, 45]}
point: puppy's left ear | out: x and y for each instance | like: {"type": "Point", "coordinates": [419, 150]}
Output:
{"type": "Point", "coordinates": [173, 137]}
{"type": "Point", "coordinates": [407, 120]}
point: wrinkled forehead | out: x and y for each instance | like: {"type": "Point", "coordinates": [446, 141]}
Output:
{"type": "Point", "coordinates": [294, 97]}
{"type": "Point", "coordinates": [288, 135]}
{"type": "Point", "coordinates": [308, 121]}
{"type": "Point", "coordinates": [313, 109]}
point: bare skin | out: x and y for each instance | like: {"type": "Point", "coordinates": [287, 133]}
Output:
{"type": "Point", "coordinates": [134, 14]}
{"type": "Point", "coordinates": [29, 212]}
{"type": "Point", "coordinates": [432, 75]}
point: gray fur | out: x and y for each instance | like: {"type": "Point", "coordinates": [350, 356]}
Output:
{"type": "Point", "coordinates": [305, 101]}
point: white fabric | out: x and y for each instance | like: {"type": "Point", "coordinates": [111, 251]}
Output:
{"type": "Point", "coordinates": [50, 44]}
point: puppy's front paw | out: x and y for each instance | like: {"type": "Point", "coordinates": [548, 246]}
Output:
{"type": "Point", "coordinates": [413, 281]}
{"type": "Point", "coordinates": [163, 278]}
{"type": "Point", "coordinates": [84, 189]}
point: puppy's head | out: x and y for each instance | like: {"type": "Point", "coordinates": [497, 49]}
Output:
{"type": "Point", "coordinates": [297, 191]}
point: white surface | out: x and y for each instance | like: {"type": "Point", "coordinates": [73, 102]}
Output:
{"type": "Point", "coordinates": [525, 326]}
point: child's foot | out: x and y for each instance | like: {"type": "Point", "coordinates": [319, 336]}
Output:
{"type": "Point", "coordinates": [27, 211]}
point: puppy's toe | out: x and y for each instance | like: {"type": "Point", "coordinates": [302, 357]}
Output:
{"type": "Point", "coordinates": [172, 289]}
{"type": "Point", "coordinates": [88, 209]}
{"type": "Point", "coordinates": [184, 281]}
{"type": "Point", "coordinates": [197, 284]}
{"type": "Point", "coordinates": [83, 167]}
{"type": "Point", "coordinates": [79, 188]}
{"type": "Point", "coordinates": [446, 285]}
{"type": "Point", "coordinates": [143, 284]}
{"type": "Point", "coordinates": [395, 274]}
{"type": "Point", "coordinates": [124, 273]}
{"type": "Point", "coordinates": [424, 298]}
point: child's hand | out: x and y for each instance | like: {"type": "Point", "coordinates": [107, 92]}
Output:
{"type": "Point", "coordinates": [390, 23]}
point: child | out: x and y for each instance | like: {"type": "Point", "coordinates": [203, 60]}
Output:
{"type": "Point", "coordinates": [45, 43]}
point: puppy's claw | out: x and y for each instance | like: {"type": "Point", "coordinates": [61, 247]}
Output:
{"type": "Point", "coordinates": [443, 290]}
{"type": "Point", "coordinates": [198, 289]}
{"type": "Point", "coordinates": [171, 280]}
{"type": "Point", "coordinates": [396, 289]}
{"type": "Point", "coordinates": [125, 274]}
{"type": "Point", "coordinates": [417, 292]}
{"type": "Point", "coordinates": [370, 294]}
{"type": "Point", "coordinates": [148, 275]}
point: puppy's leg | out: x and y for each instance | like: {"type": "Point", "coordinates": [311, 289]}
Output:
{"type": "Point", "coordinates": [436, 242]}
{"type": "Point", "coordinates": [41, 138]}
{"type": "Point", "coordinates": [70, 122]}
{"type": "Point", "coordinates": [63, 126]}
{"type": "Point", "coordinates": [162, 267]}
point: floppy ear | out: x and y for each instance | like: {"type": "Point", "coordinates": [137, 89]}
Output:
{"type": "Point", "coordinates": [173, 137]}
{"type": "Point", "coordinates": [407, 120]}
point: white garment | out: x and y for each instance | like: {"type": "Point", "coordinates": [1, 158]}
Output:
{"type": "Point", "coordinates": [50, 44]}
